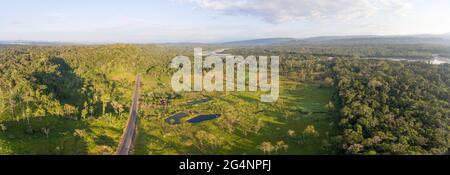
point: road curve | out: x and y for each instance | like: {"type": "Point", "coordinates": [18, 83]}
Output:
{"type": "Point", "coordinates": [129, 134]}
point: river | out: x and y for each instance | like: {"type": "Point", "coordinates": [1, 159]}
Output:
{"type": "Point", "coordinates": [436, 59]}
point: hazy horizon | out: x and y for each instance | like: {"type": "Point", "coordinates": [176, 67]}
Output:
{"type": "Point", "coordinates": [213, 42]}
{"type": "Point", "coordinates": [215, 21]}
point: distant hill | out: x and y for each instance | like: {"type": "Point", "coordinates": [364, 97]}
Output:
{"type": "Point", "coordinates": [24, 42]}
{"type": "Point", "coordinates": [443, 39]}
{"type": "Point", "coordinates": [447, 35]}
{"type": "Point", "coordinates": [331, 38]}
{"type": "Point", "coordinates": [186, 44]}
{"type": "Point", "coordinates": [384, 40]}
{"type": "Point", "coordinates": [350, 40]}
{"type": "Point", "coordinates": [264, 41]}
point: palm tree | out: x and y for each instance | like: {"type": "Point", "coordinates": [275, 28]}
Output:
{"type": "Point", "coordinates": [70, 111]}
{"type": "Point", "coordinates": [310, 131]}
{"type": "Point", "coordinates": [291, 133]}
{"type": "Point", "coordinates": [46, 131]}
{"type": "Point", "coordinates": [331, 107]}
{"type": "Point", "coordinates": [266, 147]}
{"type": "Point", "coordinates": [105, 98]}
{"type": "Point", "coordinates": [28, 98]}
{"type": "Point", "coordinates": [3, 127]}
{"type": "Point", "coordinates": [281, 145]}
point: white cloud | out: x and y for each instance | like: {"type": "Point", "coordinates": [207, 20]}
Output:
{"type": "Point", "coordinates": [276, 11]}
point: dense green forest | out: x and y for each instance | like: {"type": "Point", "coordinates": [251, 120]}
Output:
{"type": "Point", "coordinates": [393, 107]}
{"type": "Point", "coordinates": [43, 87]}
{"type": "Point", "coordinates": [75, 99]}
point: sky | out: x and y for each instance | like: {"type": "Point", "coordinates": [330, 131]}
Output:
{"type": "Point", "coordinates": [161, 21]}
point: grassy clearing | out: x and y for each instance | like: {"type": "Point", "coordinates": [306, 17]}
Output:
{"type": "Point", "coordinates": [300, 105]}
{"type": "Point", "coordinates": [66, 137]}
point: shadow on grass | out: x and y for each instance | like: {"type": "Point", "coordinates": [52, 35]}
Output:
{"type": "Point", "coordinates": [248, 99]}
{"type": "Point", "coordinates": [62, 83]}
{"type": "Point", "coordinates": [67, 87]}
{"type": "Point", "coordinates": [59, 135]}
{"type": "Point", "coordinates": [24, 139]}
{"type": "Point", "coordinates": [105, 140]}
